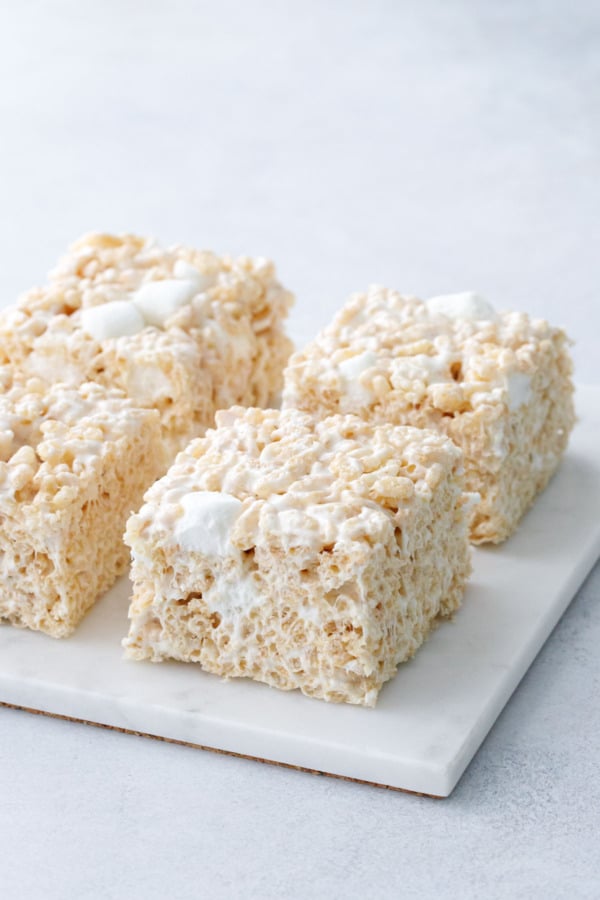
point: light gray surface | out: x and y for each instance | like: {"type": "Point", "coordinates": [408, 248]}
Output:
{"type": "Point", "coordinates": [432, 146]}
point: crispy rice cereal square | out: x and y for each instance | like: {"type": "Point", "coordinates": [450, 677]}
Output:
{"type": "Point", "coordinates": [180, 330]}
{"type": "Point", "coordinates": [303, 554]}
{"type": "Point", "coordinates": [498, 384]}
{"type": "Point", "coordinates": [74, 462]}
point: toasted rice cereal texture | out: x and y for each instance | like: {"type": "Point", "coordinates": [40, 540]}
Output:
{"type": "Point", "coordinates": [209, 336]}
{"type": "Point", "coordinates": [303, 554]}
{"type": "Point", "coordinates": [499, 385]}
{"type": "Point", "coordinates": [74, 462]}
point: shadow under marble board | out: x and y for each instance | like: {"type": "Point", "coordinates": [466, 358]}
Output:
{"type": "Point", "coordinates": [429, 720]}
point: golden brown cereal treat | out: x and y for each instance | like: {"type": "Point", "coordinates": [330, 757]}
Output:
{"type": "Point", "coordinates": [499, 385]}
{"type": "Point", "coordinates": [74, 462]}
{"type": "Point", "coordinates": [309, 555]}
{"type": "Point", "coordinates": [184, 331]}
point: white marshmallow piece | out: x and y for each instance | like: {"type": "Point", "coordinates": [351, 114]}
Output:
{"type": "Point", "coordinates": [158, 300]}
{"type": "Point", "coordinates": [118, 318]}
{"type": "Point", "coordinates": [518, 388]}
{"type": "Point", "coordinates": [350, 371]}
{"type": "Point", "coordinates": [354, 366]}
{"type": "Point", "coordinates": [183, 269]}
{"type": "Point", "coordinates": [206, 522]}
{"type": "Point", "coordinates": [467, 305]}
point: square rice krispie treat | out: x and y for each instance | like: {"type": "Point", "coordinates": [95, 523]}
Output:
{"type": "Point", "coordinates": [498, 384]}
{"type": "Point", "coordinates": [303, 554]}
{"type": "Point", "coordinates": [74, 462]}
{"type": "Point", "coordinates": [179, 330]}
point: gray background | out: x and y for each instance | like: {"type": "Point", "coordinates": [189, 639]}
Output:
{"type": "Point", "coordinates": [430, 146]}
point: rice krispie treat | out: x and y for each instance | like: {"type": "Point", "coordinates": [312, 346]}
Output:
{"type": "Point", "coordinates": [498, 384]}
{"type": "Point", "coordinates": [310, 555]}
{"type": "Point", "coordinates": [179, 330]}
{"type": "Point", "coordinates": [74, 462]}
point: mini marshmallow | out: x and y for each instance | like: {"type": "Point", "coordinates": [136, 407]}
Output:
{"type": "Point", "coordinates": [118, 318]}
{"type": "Point", "coordinates": [467, 305]}
{"type": "Point", "coordinates": [158, 300]}
{"type": "Point", "coordinates": [518, 387]}
{"type": "Point", "coordinates": [206, 522]}
{"type": "Point", "coordinates": [350, 371]}
{"type": "Point", "coordinates": [354, 366]}
{"type": "Point", "coordinates": [183, 269]}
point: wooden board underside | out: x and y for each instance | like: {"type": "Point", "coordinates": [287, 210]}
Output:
{"type": "Point", "coordinates": [268, 762]}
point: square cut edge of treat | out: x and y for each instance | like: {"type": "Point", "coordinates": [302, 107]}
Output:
{"type": "Point", "coordinates": [310, 555]}
{"type": "Point", "coordinates": [74, 462]}
{"type": "Point", "coordinates": [499, 384]}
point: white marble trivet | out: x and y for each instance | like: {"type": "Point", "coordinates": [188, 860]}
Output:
{"type": "Point", "coordinates": [429, 720]}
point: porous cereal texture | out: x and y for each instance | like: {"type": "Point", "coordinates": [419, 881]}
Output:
{"type": "Point", "coordinates": [307, 555]}
{"type": "Point", "coordinates": [499, 385]}
{"type": "Point", "coordinates": [74, 462]}
{"type": "Point", "coordinates": [186, 332]}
